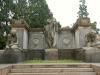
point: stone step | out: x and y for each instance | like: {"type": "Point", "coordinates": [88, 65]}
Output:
{"type": "Point", "coordinates": [65, 73]}
{"type": "Point", "coordinates": [51, 70]}
{"type": "Point", "coordinates": [52, 66]}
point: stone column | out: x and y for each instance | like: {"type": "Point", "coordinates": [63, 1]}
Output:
{"type": "Point", "coordinates": [81, 28]}
{"type": "Point", "coordinates": [21, 28]}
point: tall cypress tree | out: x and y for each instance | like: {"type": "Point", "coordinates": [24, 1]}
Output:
{"type": "Point", "coordinates": [83, 9]}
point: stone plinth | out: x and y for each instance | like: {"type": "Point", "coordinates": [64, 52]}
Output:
{"type": "Point", "coordinates": [92, 54]}
{"type": "Point", "coordinates": [12, 56]}
{"type": "Point", "coordinates": [51, 54]}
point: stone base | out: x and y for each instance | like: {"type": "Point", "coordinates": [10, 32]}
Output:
{"type": "Point", "coordinates": [91, 54]}
{"type": "Point", "coordinates": [51, 54]}
{"type": "Point", "coordinates": [12, 56]}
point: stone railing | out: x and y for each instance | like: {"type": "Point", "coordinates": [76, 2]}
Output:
{"type": "Point", "coordinates": [5, 69]}
{"type": "Point", "coordinates": [96, 68]}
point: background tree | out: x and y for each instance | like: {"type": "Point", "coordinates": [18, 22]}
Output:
{"type": "Point", "coordinates": [94, 27]}
{"type": "Point", "coordinates": [38, 13]}
{"type": "Point", "coordinates": [5, 9]}
{"type": "Point", "coordinates": [34, 12]}
{"type": "Point", "coordinates": [83, 9]}
{"type": "Point", "coordinates": [20, 9]}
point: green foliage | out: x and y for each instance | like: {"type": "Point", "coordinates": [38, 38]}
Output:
{"type": "Point", "coordinates": [94, 27]}
{"type": "Point", "coordinates": [5, 9]}
{"type": "Point", "coordinates": [35, 12]}
{"type": "Point", "coordinates": [83, 9]}
{"type": "Point", "coordinates": [2, 42]}
{"type": "Point", "coordinates": [20, 9]}
{"type": "Point", "coordinates": [38, 12]}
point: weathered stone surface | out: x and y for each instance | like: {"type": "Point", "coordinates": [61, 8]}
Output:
{"type": "Point", "coordinates": [83, 22]}
{"type": "Point", "coordinates": [65, 40]}
{"type": "Point", "coordinates": [12, 56]}
{"type": "Point", "coordinates": [5, 69]}
{"type": "Point", "coordinates": [91, 54]}
{"type": "Point", "coordinates": [36, 40]}
{"type": "Point", "coordinates": [1, 56]}
{"type": "Point", "coordinates": [51, 54]}
{"type": "Point", "coordinates": [21, 66]}
{"type": "Point", "coordinates": [80, 36]}
{"type": "Point", "coordinates": [20, 36]}
{"type": "Point", "coordinates": [35, 54]}
{"type": "Point", "coordinates": [67, 54]}
{"type": "Point", "coordinates": [51, 70]}
{"type": "Point", "coordinates": [66, 73]}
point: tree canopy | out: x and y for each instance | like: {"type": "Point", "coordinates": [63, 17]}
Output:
{"type": "Point", "coordinates": [83, 9]}
{"type": "Point", "coordinates": [34, 12]}
{"type": "Point", "coordinates": [94, 27]}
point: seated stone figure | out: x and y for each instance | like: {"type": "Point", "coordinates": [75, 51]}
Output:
{"type": "Point", "coordinates": [12, 40]}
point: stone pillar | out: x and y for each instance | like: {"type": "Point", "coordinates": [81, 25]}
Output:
{"type": "Point", "coordinates": [21, 28]}
{"type": "Point", "coordinates": [81, 28]}
{"type": "Point", "coordinates": [51, 54]}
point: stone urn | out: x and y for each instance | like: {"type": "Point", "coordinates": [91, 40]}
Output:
{"type": "Point", "coordinates": [83, 22]}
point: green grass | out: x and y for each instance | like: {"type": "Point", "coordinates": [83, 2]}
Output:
{"type": "Point", "coordinates": [52, 61]}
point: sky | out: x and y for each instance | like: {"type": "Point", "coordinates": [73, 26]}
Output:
{"type": "Point", "coordinates": [65, 11]}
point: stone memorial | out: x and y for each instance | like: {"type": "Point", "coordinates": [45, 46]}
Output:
{"type": "Point", "coordinates": [52, 42]}
{"type": "Point", "coordinates": [51, 37]}
{"type": "Point", "coordinates": [12, 53]}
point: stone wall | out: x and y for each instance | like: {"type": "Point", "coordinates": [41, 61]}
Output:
{"type": "Point", "coordinates": [20, 32]}
{"type": "Point", "coordinates": [34, 54]}
{"type": "Point", "coordinates": [41, 54]}
{"type": "Point", "coordinates": [65, 39]}
{"type": "Point", "coordinates": [1, 56]}
{"type": "Point", "coordinates": [36, 40]}
{"type": "Point", "coordinates": [80, 36]}
{"type": "Point", "coordinates": [67, 54]}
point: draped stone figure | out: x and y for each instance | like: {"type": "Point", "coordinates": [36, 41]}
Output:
{"type": "Point", "coordinates": [51, 33]}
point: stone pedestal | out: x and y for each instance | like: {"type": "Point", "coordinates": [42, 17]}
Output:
{"type": "Point", "coordinates": [91, 54]}
{"type": "Point", "coordinates": [51, 54]}
{"type": "Point", "coordinates": [12, 56]}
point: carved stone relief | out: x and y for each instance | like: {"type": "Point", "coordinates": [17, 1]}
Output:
{"type": "Point", "coordinates": [36, 41]}
{"type": "Point", "coordinates": [66, 41]}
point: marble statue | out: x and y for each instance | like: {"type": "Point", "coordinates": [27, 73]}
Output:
{"type": "Point", "coordinates": [51, 33]}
